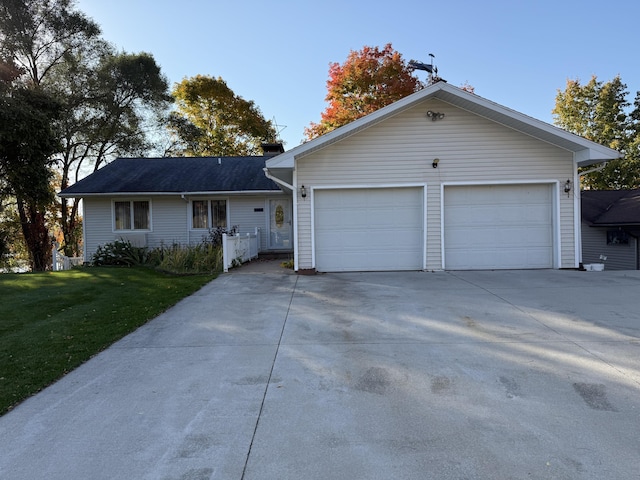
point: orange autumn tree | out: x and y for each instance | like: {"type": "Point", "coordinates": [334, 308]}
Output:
{"type": "Point", "coordinates": [367, 81]}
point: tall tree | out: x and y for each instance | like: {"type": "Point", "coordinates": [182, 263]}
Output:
{"type": "Point", "coordinates": [108, 105]}
{"type": "Point", "coordinates": [108, 98]}
{"type": "Point", "coordinates": [38, 34]}
{"type": "Point", "coordinates": [368, 80]}
{"type": "Point", "coordinates": [210, 119]}
{"type": "Point", "coordinates": [27, 141]}
{"type": "Point", "coordinates": [598, 111]}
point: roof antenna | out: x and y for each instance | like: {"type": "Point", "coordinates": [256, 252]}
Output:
{"type": "Point", "coordinates": [429, 68]}
{"type": "Point", "coordinates": [279, 130]}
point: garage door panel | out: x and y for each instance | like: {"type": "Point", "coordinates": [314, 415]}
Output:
{"type": "Point", "coordinates": [369, 229]}
{"type": "Point", "coordinates": [498, 226]}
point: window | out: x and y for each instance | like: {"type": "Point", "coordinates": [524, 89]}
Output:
{"type": "Point", "coordinates": [209, 214]}
{"type": "Point", "coordinates": [132, 215]}
{"type": "Point", "coordinates": [617, 237]}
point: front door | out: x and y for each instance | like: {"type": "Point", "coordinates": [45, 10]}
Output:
{"type": "Point", "coordinates": [280, 227]}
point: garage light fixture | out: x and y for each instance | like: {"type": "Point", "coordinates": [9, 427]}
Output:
{"type": "Point", "coordinates": [303, 192]}
{"type": "Point", "coordinates": [567, 187]}
{"type": "Point", "coordinates": [435, 162]}
{"type": "Point", "coordinates": [435, 115]}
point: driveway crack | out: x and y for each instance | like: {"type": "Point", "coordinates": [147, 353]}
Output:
{"type": "Point", "coordinates": [266, 388]}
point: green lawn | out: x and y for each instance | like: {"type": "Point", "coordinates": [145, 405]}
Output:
{"type": "Point", "coordinates": [52, 322]}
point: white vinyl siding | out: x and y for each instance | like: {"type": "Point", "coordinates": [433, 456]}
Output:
{"type": "Point", "coordinates": [619, 256]}
{"type": "Point", "coordinates": [249, 212]}
{"type": "Point", "coordinates": [171, 220]}
{"type": "Point", "coordinates": [401, 150]}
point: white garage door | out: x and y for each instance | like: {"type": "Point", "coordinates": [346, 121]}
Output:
{"type": "Point", "coordinates": [498, 227]}
{"type": "Point", "coordinates": [369, 229]}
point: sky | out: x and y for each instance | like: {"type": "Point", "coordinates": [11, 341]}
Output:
{"type": "Point", "coordinates": [276, 53]}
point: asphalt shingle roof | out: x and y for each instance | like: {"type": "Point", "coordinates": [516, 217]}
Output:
{"type": "Point", "coordinates": [611, 207]}
{"type": "Point", "coordinates": [176, 175]}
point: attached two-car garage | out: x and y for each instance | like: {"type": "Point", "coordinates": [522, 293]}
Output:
{"type": "Point", "coordinates": [483, 227]}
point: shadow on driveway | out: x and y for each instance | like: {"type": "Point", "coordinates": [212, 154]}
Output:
{"type": "Point", "coordinates": [267, 375]}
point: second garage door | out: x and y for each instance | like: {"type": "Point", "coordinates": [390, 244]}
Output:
{"type": "Point", "coordinates": [369, 229]}
{"type": "Point", "coordinates": [498, 227]}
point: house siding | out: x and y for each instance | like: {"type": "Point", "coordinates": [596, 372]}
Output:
{"type": "Point", "coordinates": [400, 150]}
{"type": "Point", "coordinates": [619, 257]}
{"type": "Point", "coordinates": [97, 224]}
{"type": "Point", "coordinates": [170, 220]}
{"type": "Point", "coordinates": [243, 214]}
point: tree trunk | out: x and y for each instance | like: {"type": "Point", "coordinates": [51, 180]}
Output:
{"type": "Point", "coordinates": [36, 236]}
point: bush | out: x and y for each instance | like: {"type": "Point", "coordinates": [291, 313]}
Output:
{"type": "Point", "coordinates": [190, 259]}
{"type": "Point", "coordinates": [120, 252]}
{"type": "Point", "coordinates": [201, 258]}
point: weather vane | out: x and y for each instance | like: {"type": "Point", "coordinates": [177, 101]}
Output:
{"type": "Point", "coordinates": [429, 68]}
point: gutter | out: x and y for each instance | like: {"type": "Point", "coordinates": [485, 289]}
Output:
{"type": "Point", "coordinates": [596, 169]}
{"type": "Point", "coordinates": [278, 180]}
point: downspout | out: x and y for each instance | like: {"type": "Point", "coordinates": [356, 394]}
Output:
{"type": "Point", "coordinates": [278, 180]}
{"type": "Point", "coordinates": [578, 208]}
{"type": "Point", "coordinates": [183, 197]}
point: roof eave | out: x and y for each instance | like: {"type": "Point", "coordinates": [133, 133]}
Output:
{"type": "Point", "coordinates": [165, 194]}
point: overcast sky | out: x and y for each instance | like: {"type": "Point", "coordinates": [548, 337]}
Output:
{"type": "Point", "coordinates": [517, 53]}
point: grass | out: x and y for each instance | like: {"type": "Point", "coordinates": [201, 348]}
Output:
{"type": "Point", "coordinates": [50, 323]}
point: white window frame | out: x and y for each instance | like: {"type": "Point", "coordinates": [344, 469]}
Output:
{"type": "Point", "coordinates": [209, 213]}
{"type": "Point", "coordinates": [131, 202]}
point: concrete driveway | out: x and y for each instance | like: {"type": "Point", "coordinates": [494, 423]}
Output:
{"type": "Point", "coordinates": [265, 375]}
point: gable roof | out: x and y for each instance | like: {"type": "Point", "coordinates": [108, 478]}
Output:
{"type": "Point", "coordinates": [608, 208]}
{"type": "Point", "coordinates": [176, 175]}
{"type": "Point", "coordinates": [586, 152]}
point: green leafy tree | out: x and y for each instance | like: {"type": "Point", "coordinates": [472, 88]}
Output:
{"type": "Point", "coordinates": [210, 119]}
{"type": "Point", "coordinates": [38, 34]}
{"type": "Point", "coordinates": [368, 80]}
{"type": "Point", "coordinates": [28, 140]}
{"type": "Point", "coordinates": [109, 106]}
{"type": "Point", "coordinates": [109, 99]}
{"type": "Point", "coordinates": [598, 111]}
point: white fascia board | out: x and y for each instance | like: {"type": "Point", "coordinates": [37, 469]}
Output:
{"type": "Point", "coordinates": [170, 194]}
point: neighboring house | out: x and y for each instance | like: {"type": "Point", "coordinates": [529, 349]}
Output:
{"type": "Point", "coordinates": [156, 201]}
{"type": "Point", "coordinates": [442, 179]}
{"type": "Point", "coordinates": [611, 227]}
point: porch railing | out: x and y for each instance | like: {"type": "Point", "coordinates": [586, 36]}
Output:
{"type": "Point", "coordinates": [238, 249]}
{"type": "Point", "coordinates": [62, 262]}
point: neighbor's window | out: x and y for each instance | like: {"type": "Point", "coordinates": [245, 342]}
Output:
{"type": "Point", "coordinates": [209, 213]}
{"type": "Point", "coordinates": [132, 215]}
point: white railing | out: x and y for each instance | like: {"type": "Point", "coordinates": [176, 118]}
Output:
{"type": "Point", "coordinates": [238, 249]}
{"type": "Point", "coordinates": [62, 262]}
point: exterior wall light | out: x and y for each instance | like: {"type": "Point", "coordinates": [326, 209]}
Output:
{"type": "Point", "coordinates": [435, 162]}
{"type": "Point", "coordinates": [435, 115]}
{"type": "Point", "coordinates": [567, 187]}
{"type": "Point", "coordinates": [303, 192]}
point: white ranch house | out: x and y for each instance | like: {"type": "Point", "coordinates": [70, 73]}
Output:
{"type": "Point", "coordinates": [162, 201]}
{"type": "Point", "coordinates": [442, 179]}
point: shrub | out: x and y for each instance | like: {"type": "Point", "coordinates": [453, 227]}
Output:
{"type": "Point", "coordinates": [201, 258]}
{"type": "Point", "coordinates": [190, 259]}
{"type": "Point", "coordinates": [215, 235]}
{"type": "Point", "coordinates": [120, 252]}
